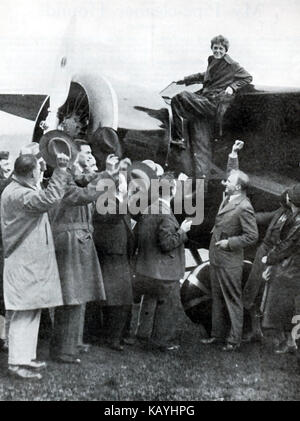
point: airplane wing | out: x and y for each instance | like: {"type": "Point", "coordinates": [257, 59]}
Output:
{"type": "Point", "coordinates": [26, 106]}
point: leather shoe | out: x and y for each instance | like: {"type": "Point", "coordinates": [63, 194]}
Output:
{"type": "Point", "coordinates": [128, 341]}
{"type": "Point", "coordinates": [286, 349]}
{"type": "Point", "coordinates": [230, 347]}
{"type": "Point", "coordinates": [83, 348]}
{"type": "Point", "coordinates": [67, 359]}
{"type": "Point", "coordinates": [253, 337]}
{"type": "Point", "coordinates": [116, 345]}
{"type": "Point", "coordinates": [37, 365]}
{"type": "Point", "coordinates": [3, 346]}
{"type": "Point", "coordinates": [23, 373]}
{"type": "Point", "coordinates": [171, 348]}
{"type": "Point", "coordinates": [210, 341]}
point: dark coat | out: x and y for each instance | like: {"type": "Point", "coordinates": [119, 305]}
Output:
{"type": "Point", "coordinates": [219, 75]}
{"type": "Point", "coordinates": [284, 259]}
{"type": "Point", "coordinates": [160, 252]}
{"type": "Point", "coordinates": [114, 242]}
{"type": "Point", "coordinates": [255, 282]}
{"type": "Point", "coordinates": [3, 183]}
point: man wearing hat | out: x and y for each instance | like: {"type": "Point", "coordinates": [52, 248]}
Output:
{"type": "Point", "coordinates": [160, 261]}
{"type": "Point", "coordinates": [78, 264]}
{"type": "Point", "coordinates": [104, 142]}
{"type": "Point", "coordinates": [282, 273]}
{"type": "Point", "coordinates": [31, 279]}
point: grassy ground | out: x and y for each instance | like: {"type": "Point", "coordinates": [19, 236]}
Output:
{"type": "Point", "coordinates": [195, 372]}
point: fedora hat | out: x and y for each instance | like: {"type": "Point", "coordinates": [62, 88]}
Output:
{"type": "Point", "coordinates": [106, 140]}
{"type": "Point", "coordinates": [156, 167]}
{"type": "Point", "coordinates": [54, 142]}
{"type": "Point", "coordinates": [141, 171]}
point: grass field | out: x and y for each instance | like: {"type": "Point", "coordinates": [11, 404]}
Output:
{"type": "Point", "coordinates": [195, 372]}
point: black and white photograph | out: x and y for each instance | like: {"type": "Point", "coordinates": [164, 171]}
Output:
{"type": "Point", "coordinates": [150, 203]}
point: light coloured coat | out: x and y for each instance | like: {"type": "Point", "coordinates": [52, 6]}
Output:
{"type": "Point", "coordinates": [31, 279]}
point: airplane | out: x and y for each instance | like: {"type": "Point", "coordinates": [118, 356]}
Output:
{"type": "Point", "coordinates": [80, 98]}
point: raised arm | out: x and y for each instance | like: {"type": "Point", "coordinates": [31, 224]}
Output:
{"type": "Point", "coordinates": [39, 201]}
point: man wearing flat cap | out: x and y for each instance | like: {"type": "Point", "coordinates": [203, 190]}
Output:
{"type": "Point", "coordinates": [282, 273]}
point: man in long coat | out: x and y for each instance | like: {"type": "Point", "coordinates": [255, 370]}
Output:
{"type": "Point", "coordinates": [283, 262]}
{"type": "Point", "coordinates": [114, 240]}
{"type": "Point", "coordinates": [31, 279]}
{"type": "Point", "coordinates": [78, 264]}
{"type": "Point", "coordinates": [254, 287]}
{"type": "Point", "coordinates": [235, 228]}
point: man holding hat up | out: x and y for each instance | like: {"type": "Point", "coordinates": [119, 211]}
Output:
{"type": "Point", "coordinates": [31, 279]}
{"type": "Point", "coordinates": [78, 264]}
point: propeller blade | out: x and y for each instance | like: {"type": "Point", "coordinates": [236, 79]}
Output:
{"type": "Point", "coordinates": [62, 75]}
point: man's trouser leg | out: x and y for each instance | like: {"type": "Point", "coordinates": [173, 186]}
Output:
{"type": "Point", "coordinates": [116, 319]}
{"type": "Point", "coordinates": [164, 325]}
{"type": "Point", "coordinates": [190, 105]}
{"type": "Point", "coordinates": [65, 331]}
{"type": "Point", "coordinates": [23, 336]}
{"type": "Point", "coordinates": [146, 316]}
{"type": "Point", "coordinates": [219, 311]}
{"type": "Point", "coordinates": [81, 325]}
{"type": "Point", "coordinates": [231, 285]}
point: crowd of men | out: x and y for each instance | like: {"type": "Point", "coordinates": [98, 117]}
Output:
{"type": "Point", "coordinates": [60, 253]}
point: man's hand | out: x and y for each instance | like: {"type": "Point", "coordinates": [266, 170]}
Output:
{"type": "Point", "coordinates": [267, 274]}
{"type": "Point", "coordinates": [186, 225]}
{"type": "Point", "coordinates": [264, 260]}
{"type": "Point", "coordinates": [124, 164]}
{"type": "Point", "coordinates": [222, 244]}
{"type": "Point", "coordinates": [112, 164]}
{"type": "Point", "coordinates": [238, 145]}
{"type": "Point", "coordinates": [229, 90]}
{"type": "Point", "coordinates": [180, 82]}
{"type": "Point", "coordinates": [62, 161]}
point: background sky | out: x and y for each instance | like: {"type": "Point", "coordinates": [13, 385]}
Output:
{"type": "Point", "coordinates": [146, 42]}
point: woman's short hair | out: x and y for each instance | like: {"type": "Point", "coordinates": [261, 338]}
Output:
{"type": "Point", "coordinates": [25, 164]}
{"type": "Point", "coordinates": [219, 39]}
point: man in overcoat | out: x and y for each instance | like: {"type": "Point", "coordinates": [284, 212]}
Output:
{"type": "Point", "coordinates": [283, 268]}
{"type": "Point", "coordinates": [254, 288]}
{"type": "Point", "coordinates": [31, 279]}
{"type": "Point", "coordinates": [235, 228]}
{"type": "Point", "coordinates": [78, 264]}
